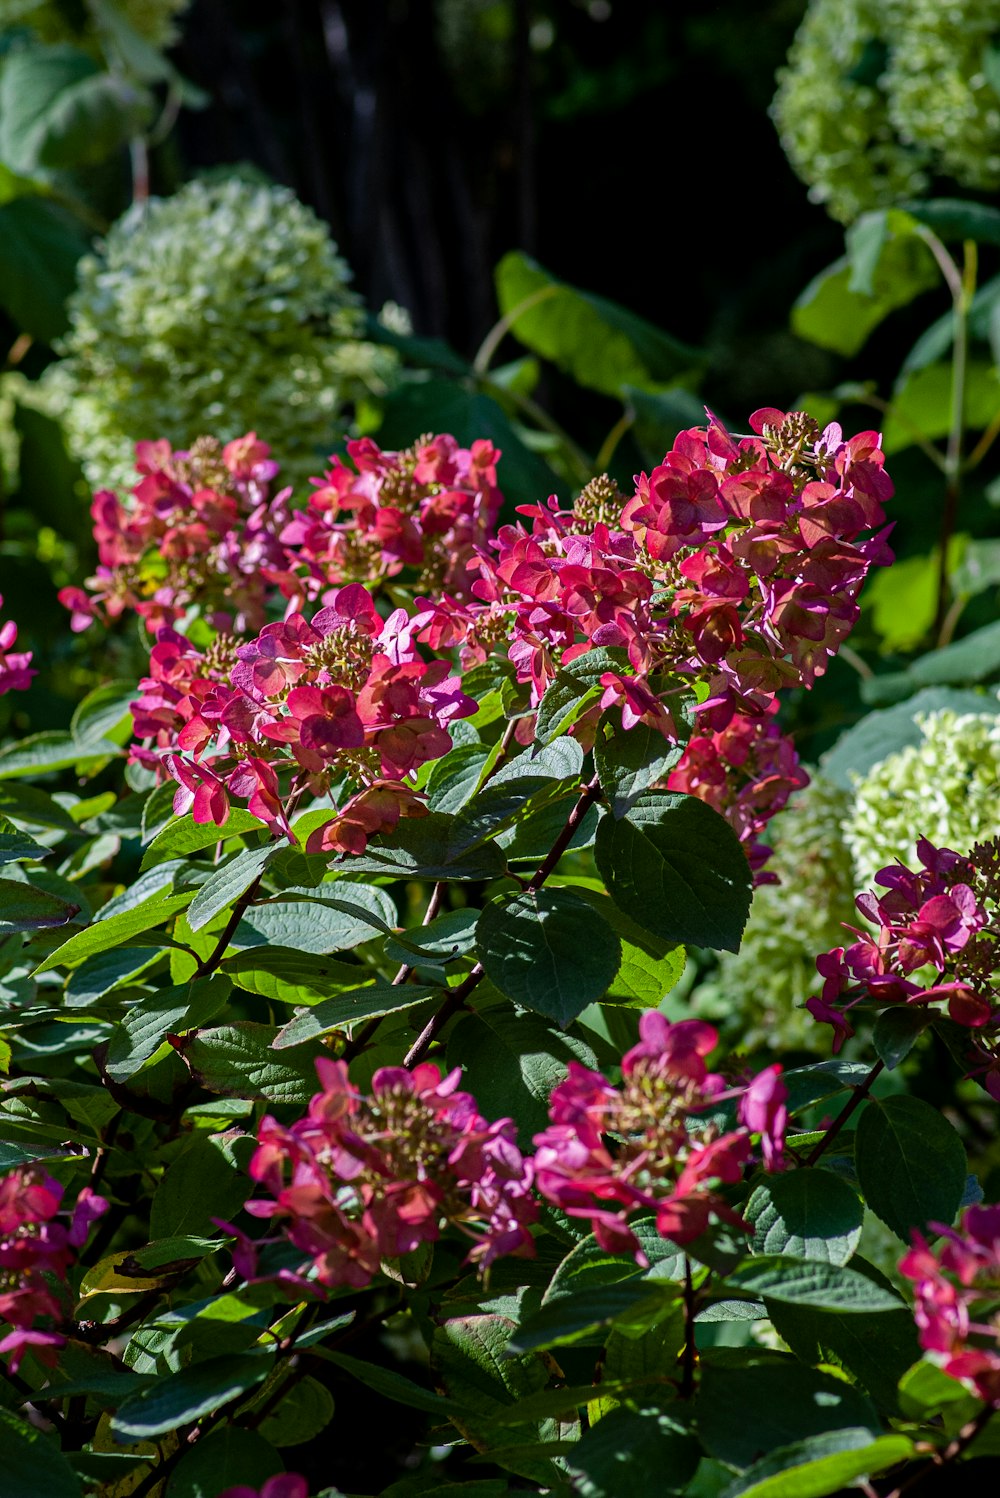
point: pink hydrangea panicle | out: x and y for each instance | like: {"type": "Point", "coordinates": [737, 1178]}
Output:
{"type": "Point", "coordinates": [956, 1287]}
{"type": "Point", "coordinates": [36, 1250]}
{"type": "Point", "coordinates": [763, 1110]}
{"type": "Point", "coordinates": [610, 1152]}
{"type": "Point", "coordinates": [367, 1177]}
{"type": "Point", "coordinates": [931, 943]}
{"type": "Point", "coordinates": [16, 670]}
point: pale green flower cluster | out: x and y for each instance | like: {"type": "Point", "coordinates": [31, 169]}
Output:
{"type": "Point", "coordinates": [223, 309]}
{"type": "Point", "coordinates": [940, 98]}
{"type": "Point", "coordinates": [946, 788]}
{"type": "Point", "coordinates": [879, 96]}
{"type": "Point", "coordinates": [152, 19]}
{"type": "Point", "coordinates": [755, 995]}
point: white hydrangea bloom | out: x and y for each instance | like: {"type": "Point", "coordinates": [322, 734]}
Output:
{"type": "Point", "coordinates": [223, 309]}
{"type": "Point", "coordinates": [946, 788]}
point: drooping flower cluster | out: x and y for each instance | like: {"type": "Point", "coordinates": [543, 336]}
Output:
{"type": "Point", "coordinates": [957, 1290]}
{"type": "Point", "coordinates": [36, 1250]}
{"type": "Point", "coordinates": [362, 1178]}
{"type": "Point", "coordinates": [747, 771]}
{"type": "Point", "coordinates": [16, 670]}
{"type": "Point", "coordinates": [932, 922]}
{"type": "Point", "coordinates": [304, 705]}
{"type": "Point", "coordinates": [611, 1152]}
{"type": "Point", "coordinates": [201, 529]}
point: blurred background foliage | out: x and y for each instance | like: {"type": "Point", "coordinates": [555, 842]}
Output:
{"type": "Point", "coordinates": [560, 224]}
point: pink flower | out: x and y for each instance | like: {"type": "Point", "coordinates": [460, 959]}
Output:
{"type": "Point", "coordinates": [284, 1485]}
{"type": "Point", "coordinates": [956, 1290]}
{"type": "Point", "coordinates": [15, 665]}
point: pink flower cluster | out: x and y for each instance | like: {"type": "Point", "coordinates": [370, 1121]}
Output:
{"type": "Point", "coordinates": [35, 1251]}
{"type": "Point", "coordinates": [429, 507]}
{"type": "Point", "coordinates": [302, 706]}
{"type": "Point", "coordinates": [957, 1289]}
{"type": "Point", "coordinates": [930, 918]}
{"type": "Point", "coordinates": [736, 563]}
{"type": "Point", "coordinates": [201, 528]}
{"type": "Point", "coordinates": [360, 1178]}
{"type": "Point", "coordinates": [746, 771]}
{"type": "Point", "coordinates": [15, 665]}
{"type": "Point", "coordinates": [610, 1152]}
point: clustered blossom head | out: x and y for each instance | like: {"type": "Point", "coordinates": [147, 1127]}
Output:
{"type": "Point", "coordinates": [15, 665]}
{"type": "Point", "coordinates": [736, 565]}
{"type": "Point", "coordinates": [200, 529]}
{"type": "Point", "coordinates": [933, 941]}
{"type": "Point", "coordinates": [304, 704]}
{"type": "Point", "coordinates": [36, 1250]}
{"type": "Point", "coordinates": [747, 771]}
{"type": "Point", "coordinates": [957, 1290]}
{"type": "Point", "coordinates": [362, 1178]}
{"type": "Point", "coordinates": [428, 507]}
{"type": "Point", "coordinates": [610, 1152]}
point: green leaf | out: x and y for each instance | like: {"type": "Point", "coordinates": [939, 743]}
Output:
{"type": "Point", "coordinates": [577, 1317]}
{"type": "Point", "coordinates": [921, 404]}
{"type": "Point", "coordinates": [103, 935]}
{"type": "Point", "coordinates": [288, 977]}
{"type": "Point", "coordinates": [600, 344]}
{"type": "Point", "coordinates": [368, 1002]}
{"type": "Point", "coordinates": [958, 218]}
{"type": "Point", "coordinates": [897, 1031]}
{"type": "Point", "coordinates": [422, 848]}
{"type": "Point", "coordinates": [974, 658]}
{"type": "Point", "coordinates": [17, 847]}
{"type": "Point", "coordinates": [226, 885]}
{"type": "Point", "coordinates": [393, 1385]}
{"type": "Point", "coordinates": [26, 803]}
{"type": "Point", "coordinates": [910, 1162]}
{"type": "Point", "coordinates": [455, 778]}
{"type": "Point", "coordinates": [40, 245]}
{"type": "Point", "coordinates": [548, 951]}
{"type": "Point", "coordinates": [101, 974]}
{"type": "Point", "coordinates": [588, 1266]}
{"type": "Point", "coordinates": [329, 918]}
{"type": "Point", "coordinates": [978, 570]}
{"type": "Point", "coordinates": [628, 763]}
{"type": "Point", "coordinates": [809, 1282]}
{"type": "Point", "coordinates": [828, 312]}
{"type": "Point", "coordinates": [183, 836]}
{"type": "Point", "coordinates": [238, 1061]}
{"type": "Point", "coordinates": [876, 1349]}
{"type": "Point", "coordinates": [146, 1023]}
{"type": "Point", "coordinates": [25, 908]}
{"type": "Point", "coordinates": [305, 1410]}
{"type": "Point", "coordinates": [180, 1398]}
{"type": "Point", "coordinates": [645, 1454]}
{"type": "Point", "coordinates": [35, 83]}
{"type": "Point", "coordinates": [575, 687]}
{"type": "Point", "coordinates": [650, 966]}
{"type": "Point", "coordinates": [228, 1457]}
{"type": "Point", "coordinates": [821, 1465]}
{"type": "Point", "coordinates": [887, 731]}
{"type": "Point", "coordinates": [806, 1214]}
{"type": "Point", "coordinates": [512, 1062]}
{"type": "Point", "coordinates": [206, 1180]}
{"type": "Point", "coordinates": [52, 750]}
{"type": "Point", "coordinates": [903, 597]}
{"type": "Point", "coordinates": [779, 1403]}
{"type": "Point", "coordinates": [517, 791]}
{"type": "Point", "coordinates": [926, 1391]}
{"type": "Point", "coordinates": [676, 867]}
{"type": "Point", "coordinates": [32, 1463]}
{"type": "Point", "coordinates": [139, 57]}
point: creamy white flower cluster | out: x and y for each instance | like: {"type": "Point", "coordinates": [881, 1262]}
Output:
{"type": "Point", "coordinates": [225, 308]}
{"type": "Point", "coordinates": [881, 96]}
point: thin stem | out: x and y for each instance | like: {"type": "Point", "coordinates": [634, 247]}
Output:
{"type": "Point", "coordinates": [500, 329]}
{"type": "Point", "coordinates": [950, 620]}
{"type": "Point", "coordinates": [457, 997]}
{"type": "Point", "coordinates": [139, 156]}
{"type": "Point", "coordinates": [962, 285]}
{"type": "Point", "coordinates": [611, 441]}
{"type": "Point", "coordinates": [858, 1095]}
{"type": "Point", "coordinates": [861, 666]}
{"type": "Point", "coordinates": [984, 444]}
{"type": "Point", "coordinates": [211, 962]}
{"type": "Point", "coordinates": [689, 1356]}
